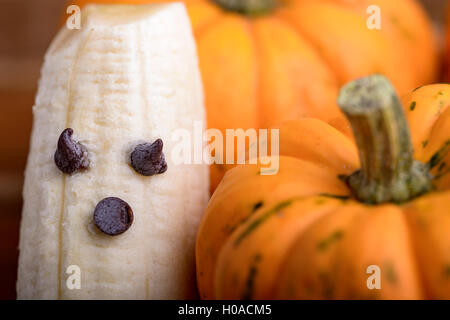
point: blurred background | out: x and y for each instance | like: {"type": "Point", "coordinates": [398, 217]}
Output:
{"type": "Point", "coordinates": [26, 29]}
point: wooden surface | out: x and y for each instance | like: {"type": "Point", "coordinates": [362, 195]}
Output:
{"type": "Point", "coordinates": [436, 9]}
{"type": "Point", "coordinates": [26, 29]}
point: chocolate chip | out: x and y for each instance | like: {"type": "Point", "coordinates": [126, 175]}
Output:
{"type": "Point", "coordinates": [148, 158]}
{"type": "Point", "coordinates": [113, 216]}
{"type": "Point", "coordinates": [70, 156]}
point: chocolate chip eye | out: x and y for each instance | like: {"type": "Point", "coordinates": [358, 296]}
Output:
{"type": "Point", "coordinates": [70, 156]}
{"type": "Point", "coordinates": [148, 158]}
{"type": "Point", "coordinates": [113, 216]}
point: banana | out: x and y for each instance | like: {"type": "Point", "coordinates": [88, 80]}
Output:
{"type": "Point", "coordinates": [129, 77]}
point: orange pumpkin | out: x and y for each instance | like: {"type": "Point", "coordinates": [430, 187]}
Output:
{"type": "Point", "coordinates": [267, 61]}
{"type": "Point", "coordinates": [312, 230]}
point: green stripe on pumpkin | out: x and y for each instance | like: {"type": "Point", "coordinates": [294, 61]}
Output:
{"type": "Point", "coordinates": [255, 224]}
{"type": "Point", "coordinates": [439, 155]}
{"type": "Point", "coordinates": [248, 293]}
{"type": "Point", "coordinates": [327, 242]}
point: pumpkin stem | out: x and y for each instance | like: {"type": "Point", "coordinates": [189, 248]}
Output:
{"type": "Point", "coordinates": [388, 171]}
{"type": "Point", "coordinates": [248, 7]}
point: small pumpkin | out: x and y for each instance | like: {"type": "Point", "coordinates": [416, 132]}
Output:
{"type": "Point", "coordinates": [267, 61]}
{"type": "Point", "coordinates": [336, 208]}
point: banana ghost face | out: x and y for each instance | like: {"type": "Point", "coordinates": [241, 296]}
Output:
{"type": "Point", "coordinates": [108, 92]}
{"type": "Point", "coordinates": [112, 215]}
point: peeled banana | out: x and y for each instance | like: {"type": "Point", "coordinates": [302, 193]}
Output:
{"type": "Point", "coordinates": [102, 197]}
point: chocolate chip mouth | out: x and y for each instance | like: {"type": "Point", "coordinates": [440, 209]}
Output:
{"type": "Point", "coordinates": [113, 216]}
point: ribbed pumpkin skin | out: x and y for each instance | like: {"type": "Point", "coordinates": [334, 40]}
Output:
{"type": "Point", "coordinates": [258, 72]}
{"type": "Point", "coordinates": [288, 236]}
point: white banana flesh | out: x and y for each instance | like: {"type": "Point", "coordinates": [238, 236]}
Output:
{"type": "Point", "coordinates": [129, 75]}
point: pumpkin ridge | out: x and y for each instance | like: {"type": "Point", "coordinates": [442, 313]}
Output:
{"type": "Point", "coordinates": [333, 250]}
{"type": "Point", "coordinates": [397, 30]}
{"type": "Point", "coordinates": [305, 41]}
{"type": "Point", "coordinates": [441, 110]}
{"type": "Point", "coordinates": [257, 57]}
{"type": "Point", "coordinates": [247, 251]}
{"type": "Point", "coordinates": [392, 272]}
{"type": "Point", "coordinates": [435, 154]}
{"type": "Point", "coordinates": [439, 155]}
{"type": "Point", "coordinates": [254, 224]}
{"type": "Point", "coordinates": [248, 293]}
{"type": "Point", "coordinates": [416, 259]}
{"type": "Point", "coordinates": [285, 18]}
{"type": "Point", "coordinates": [412, 224]}
{"type": "Point", "coordinates": [249, 8]}
{"type": "Point", "coordinates": [311, 41]}
{"type": "Point", "coordinates": [426, 116]}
